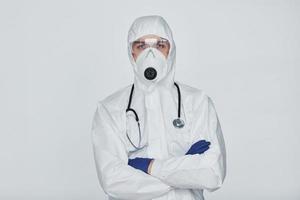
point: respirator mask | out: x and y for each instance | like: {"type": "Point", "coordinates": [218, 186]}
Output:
{"type": "Point", "coordinates": [151, 63]}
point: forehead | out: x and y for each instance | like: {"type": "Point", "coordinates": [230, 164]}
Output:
{"type": "Point", "coordinates": [149, 36]}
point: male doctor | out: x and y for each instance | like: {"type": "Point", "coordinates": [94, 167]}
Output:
{"type": "Point", "coordinates": [157, 138]}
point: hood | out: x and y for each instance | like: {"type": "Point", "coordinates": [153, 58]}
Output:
{"type": "Point", "coordinates": [152, 24]}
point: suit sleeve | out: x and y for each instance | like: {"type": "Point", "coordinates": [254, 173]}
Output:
{"type": "Point", "coordinates": [117, 178]}
{"type": "Point", "coordinates": [198, 171]}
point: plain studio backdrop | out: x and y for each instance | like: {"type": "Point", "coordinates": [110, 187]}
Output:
{"type": "Point", "coordinates": [58, 58]}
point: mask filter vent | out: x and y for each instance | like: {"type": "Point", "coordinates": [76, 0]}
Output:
{"type": "Point", "coordinates": [150, 73]}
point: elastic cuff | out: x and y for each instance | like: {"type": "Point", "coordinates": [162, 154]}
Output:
{"type": "Point", "coordinates": [156, 169]}
{"type": "Point", "coordinates": [146, 164]}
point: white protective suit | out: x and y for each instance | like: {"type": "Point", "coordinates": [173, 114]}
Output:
{"type": "Point", "coordinates": [174, 175]}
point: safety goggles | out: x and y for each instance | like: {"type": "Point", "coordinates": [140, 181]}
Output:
{"type": "Point", "coordinates": [160, 44]}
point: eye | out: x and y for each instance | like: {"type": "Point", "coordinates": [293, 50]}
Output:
{"type": "Point", "coordinates": [141, 46]}
{"type": "Point", "coordinates": [162, 45]}
{"type": "Point", "coordinates": [138, 45]}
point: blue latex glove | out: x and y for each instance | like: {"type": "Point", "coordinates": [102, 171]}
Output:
{"type": "Point", "coordinates": [140, 163]}
{"type": "Point", "coordinates": [199, 147]}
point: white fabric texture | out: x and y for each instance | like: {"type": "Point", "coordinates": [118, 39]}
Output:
{"type": "Point", "coordinates": [174, 175]}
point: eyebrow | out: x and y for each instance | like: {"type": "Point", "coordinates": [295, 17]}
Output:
{"type": "Point", "coordinates": [138, 41]}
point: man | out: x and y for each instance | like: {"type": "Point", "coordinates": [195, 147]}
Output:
{"type": "Point", "coordinates": [157, 138]}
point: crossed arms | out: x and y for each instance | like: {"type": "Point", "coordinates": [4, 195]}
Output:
{"type": "Point", "coordinates": [192, 171]}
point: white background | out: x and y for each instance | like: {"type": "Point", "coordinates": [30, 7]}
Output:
{"type": "Point", "coordinates": [58, 58]}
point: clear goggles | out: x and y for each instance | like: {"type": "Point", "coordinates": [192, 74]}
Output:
{"type": "Point", "coordinates": [160, 44]}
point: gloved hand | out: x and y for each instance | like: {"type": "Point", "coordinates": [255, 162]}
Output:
{"type": "Point", "coordinates": [140, 163]}
{"type": "Point", "coordinates": [199, 147]}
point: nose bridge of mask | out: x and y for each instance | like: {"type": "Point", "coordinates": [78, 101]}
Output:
{"type": "Point", "coordinates": [150, 52]}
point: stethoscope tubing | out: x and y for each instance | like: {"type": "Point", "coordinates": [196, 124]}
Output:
{"type": "Point", "coordinates": [137, 118]}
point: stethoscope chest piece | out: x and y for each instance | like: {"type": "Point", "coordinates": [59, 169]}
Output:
{"type": "Point", "coordinates": [178, 123]}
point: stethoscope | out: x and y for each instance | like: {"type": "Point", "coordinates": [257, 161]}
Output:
{"type": "Point", "coordinates": [177, 123]}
